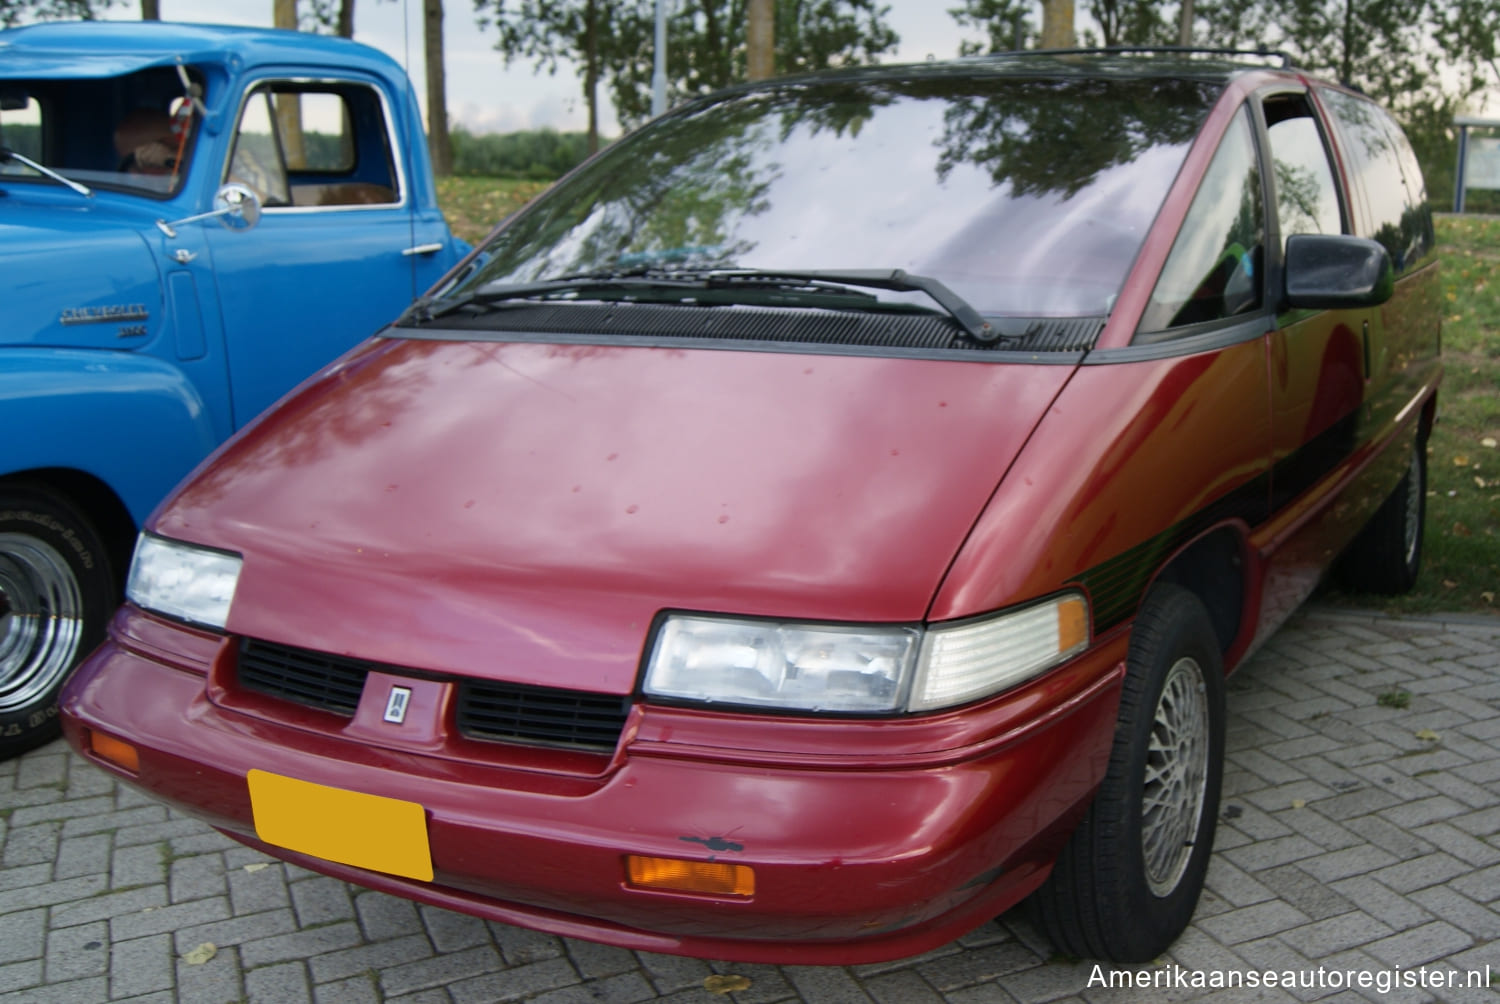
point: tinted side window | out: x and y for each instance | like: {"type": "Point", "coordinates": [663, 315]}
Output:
{"type": "Point", "coordinates": [1214, 269]}
{"type": "Point", "coordinates": [1379, 161]}
{"type": "Point", "coordinates": [1307, 199]}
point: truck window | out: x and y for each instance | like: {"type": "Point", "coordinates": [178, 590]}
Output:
{"type": "Point", "coordinates": [20, 128]}
{"type": "Point", "coordinates": [132, 132]}
{"type": "Point", "coordinates": [309, 145]}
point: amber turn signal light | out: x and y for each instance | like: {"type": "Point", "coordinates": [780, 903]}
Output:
{"type": "Point", "coordinates": [709, 877]}
{"type": "Point", "coordinates": [115, 751]}
{"type": "Point", "coordinates": [1072, 623]}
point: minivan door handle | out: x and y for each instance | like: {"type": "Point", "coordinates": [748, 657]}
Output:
{"type": "Point", "coordinates": [422, 249]}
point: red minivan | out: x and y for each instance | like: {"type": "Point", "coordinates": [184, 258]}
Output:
{"type": "Point", "coordinates": [820, 522]}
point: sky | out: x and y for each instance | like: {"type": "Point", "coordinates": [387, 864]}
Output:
{"type": "Point", "coordinates": [486, 96]}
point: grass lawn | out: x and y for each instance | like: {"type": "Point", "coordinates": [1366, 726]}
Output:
{"type": "Point", "coordinates": [1461, 571]}
{"type": "Point", "coordinates": [474, 205]}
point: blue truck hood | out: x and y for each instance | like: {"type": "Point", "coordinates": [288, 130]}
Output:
{"type": "Point", "coordinates": [80, 277]}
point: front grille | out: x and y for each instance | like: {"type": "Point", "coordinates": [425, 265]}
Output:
{"type": "Point", "coordinates": [330, 682]}
{"type": "Point", "coordinates": [503, 712]}
{"type": "Point", "coordinates": [512, 713]}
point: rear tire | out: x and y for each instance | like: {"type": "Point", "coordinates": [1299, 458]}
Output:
{"type": "Point", "coordinates": [1128, 880]}
{"type": "Point", "coordinates": [57, 591]}
{"type": "Point", "coordinates": [1387, 555]}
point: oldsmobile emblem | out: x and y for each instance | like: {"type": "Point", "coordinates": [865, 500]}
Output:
{"type": "Point", "coordinates": [108, 314]}
{"type": "Point", "coordinates": [396, 704]}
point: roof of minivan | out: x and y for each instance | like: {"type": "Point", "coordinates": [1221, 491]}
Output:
{"type": "Point", "coordinates": [72, 49]}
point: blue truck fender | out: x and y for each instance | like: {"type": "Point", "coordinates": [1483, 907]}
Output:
{"type": "Point", "coordinates": [133, 422]}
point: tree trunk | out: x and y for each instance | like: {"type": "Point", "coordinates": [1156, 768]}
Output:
{"type": "Point", "coordinates": [760, 39]}
{"type": "Point", "coordinates": [1057, 24]}
{"type": "Point", "coordinates": [150, 10]}
{"type": "Point", "coordinates": [438, 144]}
{"type": "Point", "coordinates": [288, 107]}
{"type": "Point", "coordinates": [1185, 24]}
{"type": "Point", "coordinates": [591, 72]}
{"type": "Point", "coordinates": [346, 19]}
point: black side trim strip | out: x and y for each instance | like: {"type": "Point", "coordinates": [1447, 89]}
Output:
{"type": "Point", "coordinates": [1117, 585]}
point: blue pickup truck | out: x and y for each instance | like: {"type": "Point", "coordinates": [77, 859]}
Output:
{"type": "Point", "coordinates": [192, 219]}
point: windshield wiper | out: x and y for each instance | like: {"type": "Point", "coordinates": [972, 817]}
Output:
{"type": "Point", "coordinates": [624, 282]}
{"type": "Point", "coordinates": [819, 283]}
{"type": "Point", "coordinates": [6, 153]}
{"type": "Point", "coordinates": [894, 279]}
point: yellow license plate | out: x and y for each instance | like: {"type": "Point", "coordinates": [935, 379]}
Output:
{"type": "Point", "coordinates": [348, 827]}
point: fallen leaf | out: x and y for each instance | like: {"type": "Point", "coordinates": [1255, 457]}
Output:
{"type": "Point", "coordinates": [1480, 482]}
{"type": "Point", "coordinates": [1427, 735]}
{"type": "Point", "coordinates": [1487, 596]}
{"type": "Point", "coordinates": [259, 866]}
{"type": "Point", "coordinates": [201, 954]}
{"type": "Point", "coordinates": [1461, 460]}
{"type": "Point", "coordinates": [1489, 442]}
{"type": "Point", "coordinates": [1449, 584]}
{"type": "Point", "coordinates": [1299, 803]}
{"type": "Point", "coordinates": [726, 983]}
{"type": "Point", "coordinates": [1460, 530]}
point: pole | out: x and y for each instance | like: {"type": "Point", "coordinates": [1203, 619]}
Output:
{"type": "Point", "coordinates": [1460, 179]}
{"type": "Point", "coordinates": [659, 74]}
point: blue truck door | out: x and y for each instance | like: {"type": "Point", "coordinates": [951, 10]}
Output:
{"type": "Point", "coordinates": [338, 215]}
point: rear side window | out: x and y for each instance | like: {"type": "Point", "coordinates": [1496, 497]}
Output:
{"type": "Point", "coordinates": [1214, 269]}
{"type": "Point", "coordinates": [313, 144]}
{"type": "Point", "coordinates": [1385, 170]}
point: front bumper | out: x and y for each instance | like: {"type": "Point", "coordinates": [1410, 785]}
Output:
{"type": "Point", "coordinates": [869, 840]}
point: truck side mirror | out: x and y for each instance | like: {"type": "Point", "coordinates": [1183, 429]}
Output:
{"type": "Point", "coordinates": [236, 206]}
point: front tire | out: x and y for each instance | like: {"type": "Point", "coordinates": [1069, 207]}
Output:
{"type": "Point", "coordinates": [57, 591]}
{"type": "Point", "coordinates": [1126, 884]}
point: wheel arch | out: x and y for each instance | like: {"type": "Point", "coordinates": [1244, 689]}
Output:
{"type": "Point", "coordinates": [1215, 567]}
{"type": "Point", "coordinates": [96, 500]}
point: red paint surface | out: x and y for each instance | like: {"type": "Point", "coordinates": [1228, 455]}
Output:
{"type": "Point", "coordinates": [524, 511]}
{"type": "Point", "coordinates": [880, 845]}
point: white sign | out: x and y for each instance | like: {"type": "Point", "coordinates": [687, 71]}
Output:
{"type": "Point", "coordinates": [1482, 169]}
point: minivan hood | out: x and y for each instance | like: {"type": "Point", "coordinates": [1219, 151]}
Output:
{"type": "Point", "coordinates": [75, 275]}
{"type": "Point", "coordinates": [523, 511]}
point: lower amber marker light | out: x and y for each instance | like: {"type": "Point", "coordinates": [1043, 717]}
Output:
{"type": "Point", "coordinates": [115, 751]}
{"type": "Point", "coordinates": [711, 877]}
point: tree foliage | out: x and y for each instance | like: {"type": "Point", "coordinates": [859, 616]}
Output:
{"type": "Point", "coordinates": [707, 50]}
{"type": "Point", "coordinates": [13, 12]}
{"type": "Point", "coordinates": [532, 155]}
{"type": "Point", "coordinates": [336, 16]}
{"type": "Point", "coordinates": [612, 42]}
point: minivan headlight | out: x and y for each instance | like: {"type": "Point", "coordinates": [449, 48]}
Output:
{"type": "Point", "coordinates": [180, 580]}
{"type": "Point", "coordinates": [860, 669]}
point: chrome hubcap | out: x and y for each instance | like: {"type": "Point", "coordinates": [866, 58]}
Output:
{"type": "Point", "coordinates": [41, 619]}
{"type": "Point", "coordinates": [1176, 777]}
{"type": "Point", "coordinates": [1414, 489]}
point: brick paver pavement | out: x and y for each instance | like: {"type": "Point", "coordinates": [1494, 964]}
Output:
{"type": "Point", "coordinates": [1360, 832]}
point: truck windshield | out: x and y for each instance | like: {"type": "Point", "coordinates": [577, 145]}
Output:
{"type": "Point", "coordinates": [1027, 197]}
{"type": "Point", "coordinates": [131, 132]}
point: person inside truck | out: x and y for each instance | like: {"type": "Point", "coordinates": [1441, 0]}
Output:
{"type": "Point", "coordinates": [145, 142]}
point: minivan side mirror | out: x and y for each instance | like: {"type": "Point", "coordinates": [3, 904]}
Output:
{"type": "Point", "coordinates": [1333, 271]}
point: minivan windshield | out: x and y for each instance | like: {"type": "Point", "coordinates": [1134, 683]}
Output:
{"type": "Point", "coordinates": [1027, 197]}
